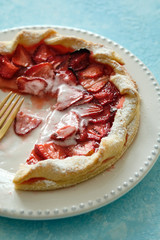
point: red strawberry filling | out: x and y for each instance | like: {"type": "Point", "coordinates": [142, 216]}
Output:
{"type": "Point", "coordinates": [82, 133]}
{"type": "Point", "coordinates": [67, 77]}
{"type": "Point", "coordinates": [67, 96]}
{"type": "Point", "coordinates": [21, 57]}
{"type": "Point", "coordinates": [32, 85]}
{"type": "Point", "coordinates": [33, 158]}
{"type": "Point", "coordinates": [25, 123]}
{"type": "Point", "coordinates": [87, 97]}
{"type": "Point", "coordinates": [86, 100]}
{"type": "Point", "coordinates": [49, 150]}
{"type": "Point", "coordinates": [90, 109]}
{"type": "Point", "coordinates": [108, 94]}
{"type": "Point", "coordinates": [66, 127]}
{"type": "Point", "coordinates": [94, 70]}
{"type": "Point", "coordinates": [71, 119]}
{"type": "Point", "coordinates": [42, 70]}
{"type": "Point", "coordinates": [85, 148]}
{"type": "Point", "coordinates": [7, 68]}
{"type": "Point", "coordinates": [98, 131]}
{"type": "Point", "coordinates": [79, 59]}
{"type": "Point", "coordinates": [63, 133]}
{"type": "Point", "coordinates": [60, 62]}
{"type": "Point", "coordinates": [43, 53]}
{"type": "Point", "coordinates": [107, 115]}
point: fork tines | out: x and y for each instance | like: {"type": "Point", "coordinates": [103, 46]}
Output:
{"type": "Point", "coordinates": [9, 108]}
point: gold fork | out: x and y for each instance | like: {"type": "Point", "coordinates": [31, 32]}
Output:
{"type": "Point", "coordinates": [9, 108]}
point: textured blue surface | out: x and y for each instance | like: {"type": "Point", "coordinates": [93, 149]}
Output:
{"type": "Point", "coordinates": [136, 26]}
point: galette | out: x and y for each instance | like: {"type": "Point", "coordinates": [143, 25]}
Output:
{"type": "Point", "coordinates": [96, 112]}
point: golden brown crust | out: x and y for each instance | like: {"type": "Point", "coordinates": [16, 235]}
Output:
{"type": "Point", "coordinates": [52, 173]}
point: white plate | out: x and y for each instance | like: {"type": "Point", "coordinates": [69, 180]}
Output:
{"type": "Point", "coordinates": [102, 189]}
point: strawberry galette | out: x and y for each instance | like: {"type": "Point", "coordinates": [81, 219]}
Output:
{"type": "Point", "coordinates": [96, 112]}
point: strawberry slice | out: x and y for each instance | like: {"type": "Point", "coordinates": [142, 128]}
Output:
{"type": "Point", "coordinates": [70, 119]}
{"type": "Point", "coordinates": [108, 70]}
{"type": "Point", "coordinates": [33, 158]}
{"type": "Point", "coordinates": [82, 131]}
{"type": "Point", "coordinates": [31, 85]}
{"type": "Point", "coordinates": [42, 70]}
{"type": "Point", "coordinates": [7, 68]}
{"type": "Point", "coordinates": [43, 53]}
{"type": "Point", "coordinates": [63, 133]}
{"type": "Point", "coordinates": [21, 57]}
{"type": "Point", "coordinates": [68, 77]}
{"type": "Point", "coordinates": [97, 131]}
{"type": "Point", "coordinates": [67, 125]}
{"type": "Point", "coordinates": [67, 96]}
{"type": "Point", "coordinates": [82, 136]}
{"type": "Point", "coordinates": [94, 70]}
{"type": "Point", "coordinates": [79, 59]}
{"type": "Point", "coordinates": [120, 102]}
{"type": "Point", "coordinates": [59, 62]}
{"type": "Point", "coordinates": [25, 123]}
{"type": "Point", "coordinates": [89, 109]}
{"type": "Point", "coordinates": [87, 97]}
{"type": "Point", "coordinates": [86, 148]}
{"type": "Point", "coordinates": [49, 150]}
{"type": "Point", "coordinates": [94, 85]}
{"type": "Point", "coordinates": [106, 116]}
{"type": "Point", "coordinates": [92, 77]}
{"type": "Point", "coordinates": [108, 94]}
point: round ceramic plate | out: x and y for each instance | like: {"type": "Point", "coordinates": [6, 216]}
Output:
{"type": "Point", "coordinates": [105, 187]}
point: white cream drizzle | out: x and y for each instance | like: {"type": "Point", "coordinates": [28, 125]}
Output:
{"type": "Point", "coordinates": [57, 119]}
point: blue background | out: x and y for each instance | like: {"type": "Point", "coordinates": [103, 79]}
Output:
{"type": "Point", "coordinates": [136, 26]}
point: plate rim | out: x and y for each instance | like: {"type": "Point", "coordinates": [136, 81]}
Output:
{"type": "Point", "coordinates": [127, 186]}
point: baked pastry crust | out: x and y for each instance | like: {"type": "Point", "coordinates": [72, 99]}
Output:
{"type": "Point", "coordinates": [54, 173]}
